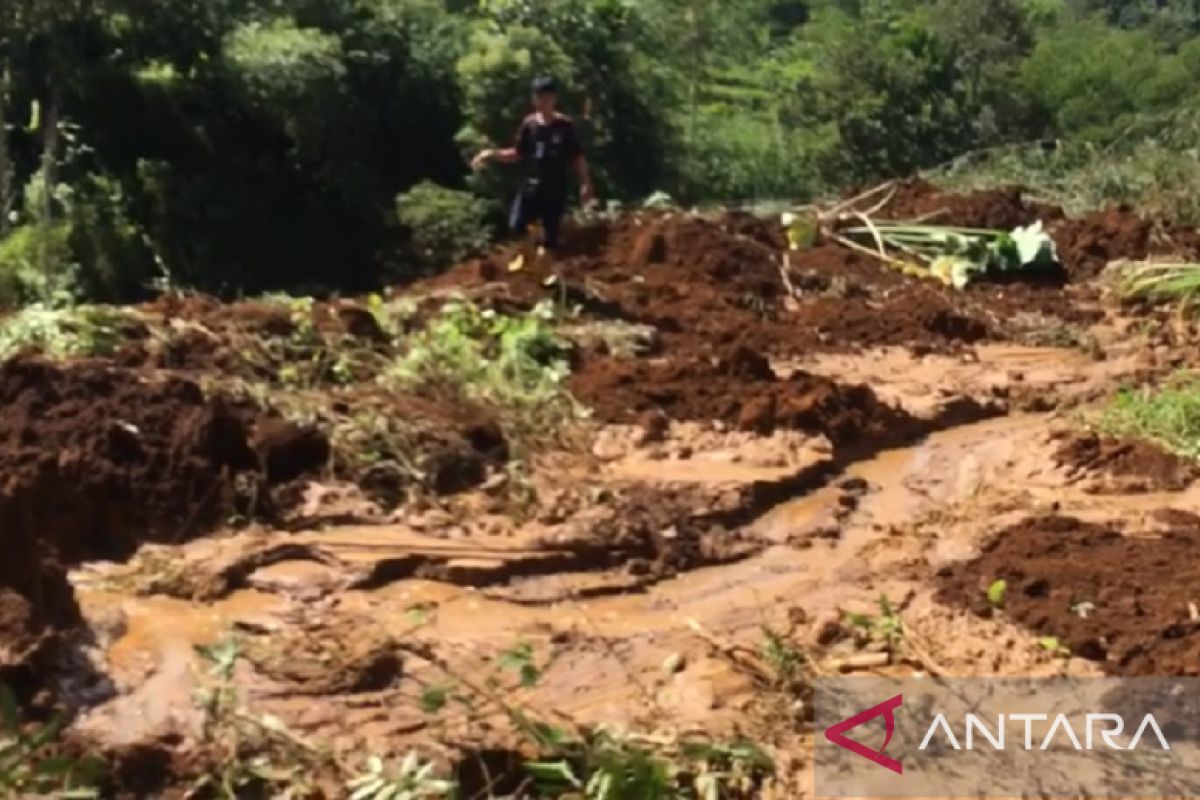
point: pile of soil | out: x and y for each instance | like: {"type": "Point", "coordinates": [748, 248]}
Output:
{"type": "Point", "coordinates": [739, 388]}
{"type": "Point", "coordinates": [96, 459]}
{"type": "Point", "coordinates": [712, 282]}
{"type": "Point", "coordinates": [1115, 599]}
{"type": "Point", "coordinates": [1139, 463]}
{"type": "Point", "coordinates": [998, 209]}
{"type": "Point", "coordinates": [1087, 245]}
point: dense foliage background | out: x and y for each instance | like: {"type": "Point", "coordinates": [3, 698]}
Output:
{"type": "Point", "coordinates": [246, 145]}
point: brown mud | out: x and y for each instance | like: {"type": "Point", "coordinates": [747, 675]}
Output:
{"type": "Point", "coordinates": [771, 462]}
{"type": "Point", "coordinates": [738, 388]}
{"type": "Point", "coordinates": [1134, 465]}
{"type": "Point", "coordinates": [97, 460]}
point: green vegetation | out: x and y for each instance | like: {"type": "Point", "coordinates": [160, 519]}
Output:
{"type": "Point", "coordinates": [412, 780]}
{"type": "Point", "coordinates": [446, 225]}
{"type": "Point", "coordinates": [885, 629]}
{"type": "Point", "coordinates": [62, 333]}
{"type": "Point", "coordinates": [32, 761]}
{"type": "Point", "coordinates": [996, 592]}
{"type": "Point", "coordinates": [953, 255]}
{"type": "Point", "coordinates": [1169, 415]}
{"type": "Point", "coordinates": [516, 364]}
{"type": "Point", "coordinates": [241, 147]}
{"type": "Point", "coordinates": [1161, 282]}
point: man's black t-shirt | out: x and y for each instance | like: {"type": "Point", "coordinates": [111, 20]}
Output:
{"type": "Point", "coordinates": [548, 150]}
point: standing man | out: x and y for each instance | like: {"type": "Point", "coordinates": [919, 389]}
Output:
{"type": "Point", "coordinates": [548, 145]}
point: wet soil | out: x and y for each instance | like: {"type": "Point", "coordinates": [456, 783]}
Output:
{"type": "Point", "coordinates": [1136, 465]}
{"type": "Point", "coordinates": [1124, 601]}
{"type": "Point", "coordinates": [711, 282]}
{"type": "Point", "coordinates": [773, 460]}
{"type": "Point", "coordinates": [97, 460]}
{"type": "Point", "coordinates": [740, 389]}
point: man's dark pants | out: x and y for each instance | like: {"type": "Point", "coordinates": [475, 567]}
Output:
{"type": "Point", "coordinates": [546, 208]}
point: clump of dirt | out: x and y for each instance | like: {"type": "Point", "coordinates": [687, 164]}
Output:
{"type": "Point", "coordinates": [998, 209]}
{"type": "Point", "coordinates": [739, 388]}
{"type": "Point", "coordinates": [96, 459]}
{"type": "Point", "coordinates": [655, 531]}
{"type": "Point", "coordinates": [325, 659]}
{"type": "Point", "coordinates": [1088, 244]}
{"type": "Point", "coordinates": [1140, 465]}
{"type": "Point", "coordinates": [1119, 600]}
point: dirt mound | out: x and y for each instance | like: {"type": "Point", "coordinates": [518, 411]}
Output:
{"type": "Point", "coordinates": [1111, 598]}
{"type": "Point", "coordinates": [1088, 244]}
{"type": "Point", "coordinates": [1000, 209]}
{"type": "Point", "coordinates": [1138, 464]}
{"type": "Point", "coordinates": [708, 283]}
{"type": "Point", "coordinates": [95, 460]}
{"type": "Point", "coordinates": [738, 388]}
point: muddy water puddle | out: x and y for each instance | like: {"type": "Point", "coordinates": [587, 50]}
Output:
{"type": "Point", "coordinates": [878, 528]}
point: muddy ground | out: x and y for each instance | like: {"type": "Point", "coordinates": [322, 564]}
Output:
{"type": "Point", "coordinates": [757, 464]}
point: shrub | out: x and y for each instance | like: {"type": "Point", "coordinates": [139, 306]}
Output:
{"type": "Point", "coordinates": [36, 265]}
{"type": "Point", "coordinates": [444, 225]}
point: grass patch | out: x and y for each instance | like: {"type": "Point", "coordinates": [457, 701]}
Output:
{"type": "Point", "coordinates": [1168, 415]}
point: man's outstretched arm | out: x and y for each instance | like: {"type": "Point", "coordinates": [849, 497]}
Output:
{"type": "Point", "coordinates": [505, 155]}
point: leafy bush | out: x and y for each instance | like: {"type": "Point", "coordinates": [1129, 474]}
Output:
{"type": "Point", "coordinates": [279, 59]}
{"type": "Point", "coordinates": [115, 260]}
{"type": "Point", "coordinates": [36, 265]}
{"type": "Point", "coordinates": [445, 225]}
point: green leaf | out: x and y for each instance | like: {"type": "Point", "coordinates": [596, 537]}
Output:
{"type": "Point", "coordinates": [553, 772]}
{"type": "Point", "coordinates": [419, 617]}
{"type": "Point", "coordinates": [433, 699]}
{"type": "Point", "coordinates": [1052, 644]}
{"type": "Point", "coordinates": [529, 676]}
{"type": "Point", "coordinates": [995, 593]}
{"type": "Point", "coordinates": [55, 767]}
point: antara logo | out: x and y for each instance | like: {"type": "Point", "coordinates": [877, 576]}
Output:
{"type": "Point", "coordinates": [886, 709]}
{"type": "Point", "coordinates": [1061, 733]}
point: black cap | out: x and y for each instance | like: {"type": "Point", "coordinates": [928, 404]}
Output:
{"type": "Point", "coordinates": [544, 84]}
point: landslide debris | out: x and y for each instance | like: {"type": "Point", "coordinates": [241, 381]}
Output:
{"type": "Point", "coordinates": [96, 459]}
{"type": "Point", "coordinates": [1120, 600]}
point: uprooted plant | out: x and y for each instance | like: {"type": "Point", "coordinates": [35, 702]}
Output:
{"type": "Point", "coordinates": [956, 256]}
{"type": "Point", "coordinates": [1159, 282]}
